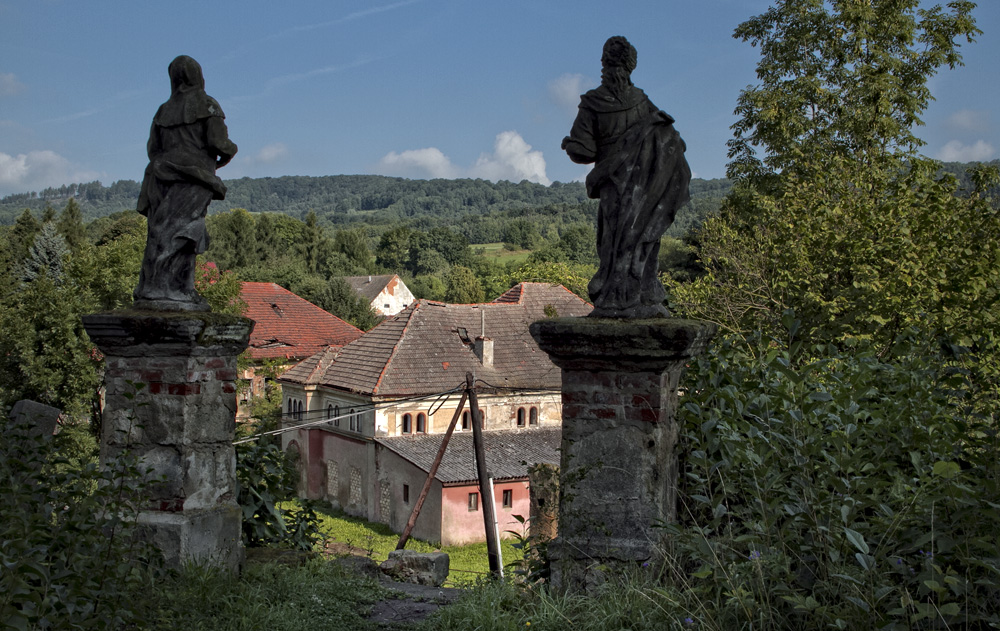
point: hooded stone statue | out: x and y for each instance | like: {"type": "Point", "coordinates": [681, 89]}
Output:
{"type": "Point", "coordinates": [188, 141]}
{"type": "Point", "coordinates": [640, 176]}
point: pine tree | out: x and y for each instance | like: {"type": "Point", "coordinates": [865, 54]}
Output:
{"type": "Point", "coordinates": [71, 226]}
{"type": "Point", "coordinates": [47, 256]}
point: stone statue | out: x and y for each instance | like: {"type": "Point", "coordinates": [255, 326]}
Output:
{"type": "Point", "coordinates": [188, 141]}
{"type": "Point", "coordinates": [641, 177]}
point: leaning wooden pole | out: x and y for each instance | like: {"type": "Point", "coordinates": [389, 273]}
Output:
{"type": "Point", "coordinates": [486, 497]}
{"type": "Point", "coordinates": [411, 522]}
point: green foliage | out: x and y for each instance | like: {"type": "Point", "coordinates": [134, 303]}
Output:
{"type": "Point", "coordinates": [71, 225]}
{"type": "Point", "coordinates": [834, 488]}
{"type": "Point", "coordinates": [67, 546]}
{"type": "Point", "coordinates": [22, 235]}
{"type": "Point", "coordinates": [462, 286]}
{"type": "Point", "coordinates": [839, 219]}
{"type": "Point", "coordinates": [337, 297]}
{"type": "Point", "coordinates": [467, 562]}
{"type": "Point", "coordinates": [318, 595]}
{"type": "Point", "coordinates": [841, 80]}
{"type": "Point", "coordinates": [572, 277]}
{"type": "Point", "coordinates": [220, 289]}
{"type": "Point", "coordinates": [46, 256]}
{"type": "Point", "coordinates": [266, 477]}
{"type": "Point", "coordinates": [45, 354]}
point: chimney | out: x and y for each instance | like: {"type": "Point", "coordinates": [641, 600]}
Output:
{"type": "Point", "coordinates": [484, 350]}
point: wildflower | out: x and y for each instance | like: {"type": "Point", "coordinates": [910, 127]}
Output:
{"type": "Point", "coordinates": [688, 621]}
{"type": "Point", "coordinates": [754, 555]}
{"type": "Point", "coordinates": [645, 564]}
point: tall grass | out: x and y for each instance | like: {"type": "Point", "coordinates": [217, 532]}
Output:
{"type": "Point", "coordinates": [468, 562]}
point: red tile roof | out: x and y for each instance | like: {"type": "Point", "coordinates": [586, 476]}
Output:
{"type": "Point", "coordinates": [288, 326]}
{"type": "Point", "coordinates": [428, 347]}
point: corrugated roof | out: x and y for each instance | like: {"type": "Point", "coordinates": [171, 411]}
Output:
{"type": "Point", "coordinates": [508, 452]}
{"type": "Point", "coordinates": [428, 347]}
{"type": "Point", "coordinates": [288, 326]}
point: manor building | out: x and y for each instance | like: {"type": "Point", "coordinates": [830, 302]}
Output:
{"type": "Point", "coordinates": [371, 415]}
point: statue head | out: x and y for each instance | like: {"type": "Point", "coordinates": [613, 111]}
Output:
{"type": "Point", "coordinates": [185, 74]}
{"type": "Point", "coordinates": [619, 53]}
{"type": "Point", "coordinates": [617, 64]}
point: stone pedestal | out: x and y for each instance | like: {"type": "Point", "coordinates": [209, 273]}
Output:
{"type": "Point", "coordinates": [171, 399]}
{"type": "Point", "coordinates": [618, 472]}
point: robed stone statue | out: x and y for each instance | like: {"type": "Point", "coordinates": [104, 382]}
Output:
{"type": "Point", "coordinates": [641, 178]}
{"type": "Point", "coordinates": [188, 141]}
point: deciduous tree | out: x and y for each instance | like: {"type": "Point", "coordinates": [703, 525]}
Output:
{"type": "Point", "coordinates": [833, 212]}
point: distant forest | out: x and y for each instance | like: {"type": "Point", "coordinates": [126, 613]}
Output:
{"type": "Point", "coordinates": [479, 209]}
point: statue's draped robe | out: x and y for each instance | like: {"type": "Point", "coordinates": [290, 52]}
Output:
{"type": "Point", "coordinates": [641, 177]}
{"type": "Point", "coordinates": [187, 135]}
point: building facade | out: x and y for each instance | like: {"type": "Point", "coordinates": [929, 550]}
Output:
{"type": "Point", "coordinates": [363, 418]}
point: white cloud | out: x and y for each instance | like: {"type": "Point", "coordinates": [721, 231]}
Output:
{"type": "Point", "coordinates": [565, 90]}
{"type": "Point", "coordinates": [970, 120]}
{"type": "Point", "coordinates": [512, 159]}
{"type": "Point", "coordinates": [956, 151]}
{"type": "Point", "coordinates": [36, 170]}
{"type": "Point", "coordinates": [271, 153]}
{"type": "Point", "coordinates": [9, 85]}
{"type": "Point", "coordinates": [418, 163]}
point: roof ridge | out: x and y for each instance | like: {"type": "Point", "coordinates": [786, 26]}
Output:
{"type": "Point", "coordinates": [395, 347]}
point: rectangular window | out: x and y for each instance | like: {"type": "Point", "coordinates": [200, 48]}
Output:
{"type": "Point", "coordinates": [508, 499]}
{"type": "Point", "coordinates": [406, 493]}
{"type": "Point", "coordinates": [473, 501]}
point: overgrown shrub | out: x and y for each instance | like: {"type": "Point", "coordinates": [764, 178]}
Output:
{"type": "Point", "coordinates": [68, 553]}
{"type": "Point", "coordinates": [265, 478]}
{"type": "Point", "coordinates": [830, 487]}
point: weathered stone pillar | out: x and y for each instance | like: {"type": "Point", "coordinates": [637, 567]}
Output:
{"type": "Point", "coordinates": [543, 502]}
{"type": "Point", "coordinates": [618, 472]}
{"type": "Point", "coordinates": [171, 399]}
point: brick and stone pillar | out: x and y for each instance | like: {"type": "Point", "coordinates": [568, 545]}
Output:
{"type": "Point", "coordinates": [618, 471]}
{"type": "Point", "coordinates": [171, 399]}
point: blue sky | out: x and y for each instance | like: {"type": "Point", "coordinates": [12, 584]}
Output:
{"type": "Point", "coordinates": [414, 88]}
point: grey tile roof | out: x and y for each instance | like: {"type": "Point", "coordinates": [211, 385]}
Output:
{"type": "Point", "coordinates": [508, 452]}
{"type": "Point", "coordinates": [428, 347]}
{"type": "Point", "coordinates": [369, 286]}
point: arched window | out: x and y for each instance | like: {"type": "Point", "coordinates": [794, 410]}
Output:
{"type": "Point", "coordinates": [520, 417]}
{"type": "Point", "coordinates": [329, 411]}
{"type": "Point", "coordinates": [466, 426]}
{"type": "Point", "coordinates": [302, 408]}
{"type": "Point", "coordinates": [407, 424]}
{"type": "Point", "coordinates": [533, 416]}
{"type": "Point", "coordinates": [353, 427]}
{"type": "Point", "coordinates": [421, 423]}
{"type": "Point", "coordinates": [291, 410]}
{"type": "Point", "coordinates": [336, 416]}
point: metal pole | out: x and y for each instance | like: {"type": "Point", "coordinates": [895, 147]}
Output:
{"type": "Point", "coordinates": [492, 545]}
{"type": "Point", "coordinates": [411, 522]}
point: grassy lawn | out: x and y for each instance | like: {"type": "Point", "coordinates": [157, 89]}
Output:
{"type": "Point", "coordinates": [376, 540]}
{"type": "Point", "coordinates": [501, 254]}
